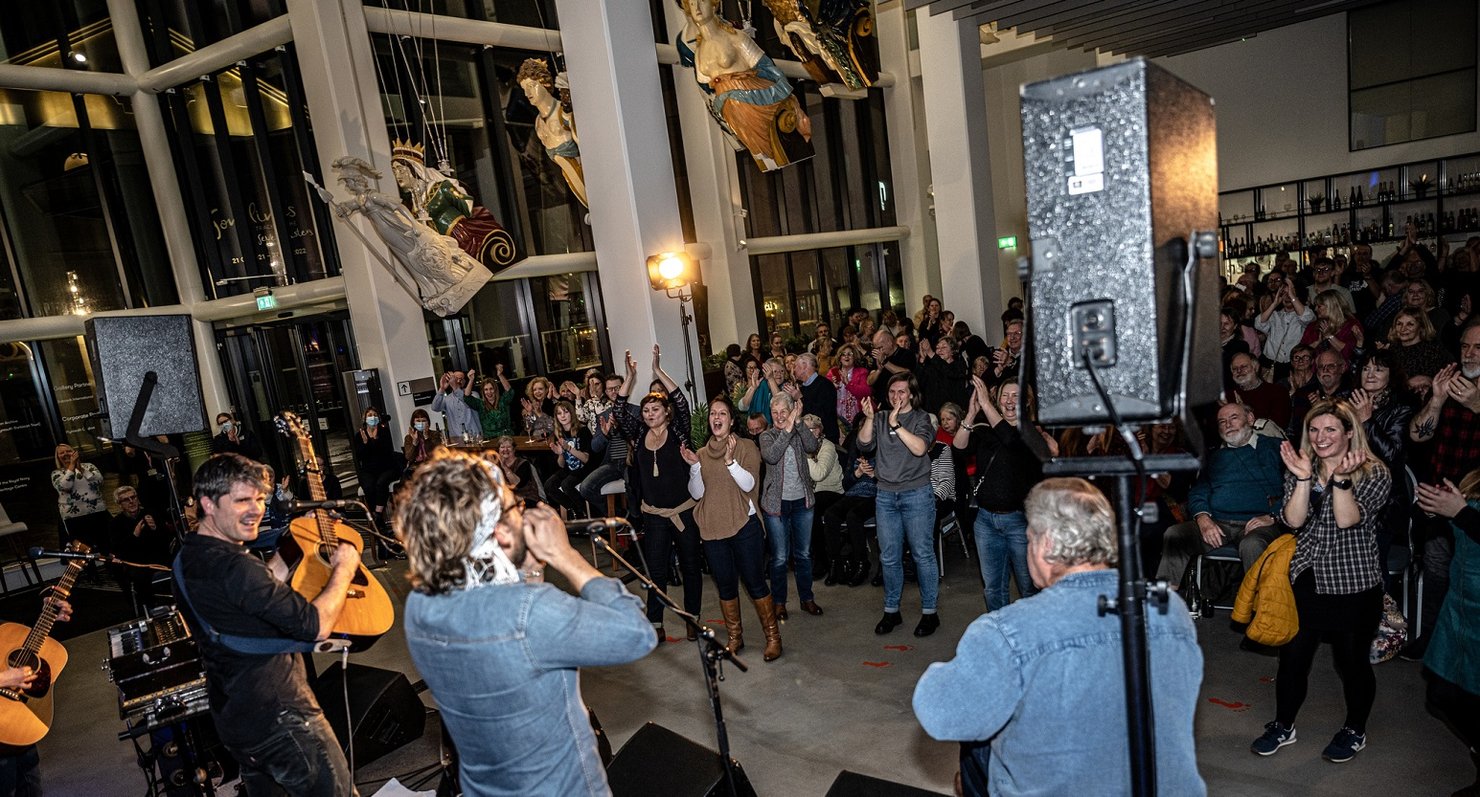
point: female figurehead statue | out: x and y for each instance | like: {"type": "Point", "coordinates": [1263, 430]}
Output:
{"type": "Point", "coordinates": [748, 94]}
{"type": "Point", "coordinates": [442, 203]}
{"type": "Point", "coordinates": [555, 126]}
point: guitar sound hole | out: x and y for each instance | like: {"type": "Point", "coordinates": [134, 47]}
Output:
{"type": "Point", "coordinates": [21, 658]}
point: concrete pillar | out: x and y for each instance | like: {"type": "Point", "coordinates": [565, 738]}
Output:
{"type": "Point", "coordinates": [629, 174]}
{"type": "Point", "coordinates": [960, 169]}
{"type": "Point", "coordinates": [155, 142]}
{"type": "Point", "coordinates": [339, 85]}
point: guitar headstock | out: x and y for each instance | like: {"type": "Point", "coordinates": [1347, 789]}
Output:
{"type": "Point", "coordinates": [78, 546]}
{"type": "Point", "coordinates": [290, 425]}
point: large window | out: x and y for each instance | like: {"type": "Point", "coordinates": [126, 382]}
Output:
{"type": "Point", "coordinates": [66, 34]}
{"type": "Point", "coordinates": [1412, 70]}
{"type": "Point", "coordinates": [81, 233]}
{"type": "Point", "coordinates": [524, 13]}
{"type": "Point", "coordinates": [243, 145]}
{"type": "Point", "coordinates": [176, 27]}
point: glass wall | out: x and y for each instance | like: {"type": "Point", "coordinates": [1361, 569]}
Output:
{"type": "Point", "coordinates": [61, 34]}
{"type": "Point", "coordinates": [81, 230]}
{"type": "Point", "coordinates": [243, 144]}
{"type": "Point", "coordinates": [176, 27]}
{"type": "Point", "coordinates": [525, 13]}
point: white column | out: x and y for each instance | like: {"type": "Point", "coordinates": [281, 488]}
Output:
{"type": "Point", "coordinates": [339, 85]}
{"type": "Point", "coordinates": [908, 160]}
{"type": "Point", "coordinates": [619, 111]}
{"type": "Point", "coordinates": [165, 183]}
{"type": "Point", "coordinates": [718, 205]}
{"type": "Point", "coordinates": [955, 115]}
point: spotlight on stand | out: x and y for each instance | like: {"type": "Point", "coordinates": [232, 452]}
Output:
{"type": "Point", "coordinates": [674, 273]}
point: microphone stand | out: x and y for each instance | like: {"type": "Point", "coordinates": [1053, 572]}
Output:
{"type": "Point", "coordinates": [712, 656]}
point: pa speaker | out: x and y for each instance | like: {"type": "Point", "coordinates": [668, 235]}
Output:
{"type": "Point", "coordinates": [384, 711]}
{"type": "Point", "coordinates": [852, 784]}
{"type": "Point", "coordinates": [658, 761]}
{"type": "Point", "coordinates": [123, 349]}
{"type": "Point", "coordinates": [1121, 173]}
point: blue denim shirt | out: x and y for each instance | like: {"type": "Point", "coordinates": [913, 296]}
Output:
{"type": "Point", "coordinates": [501, 662]}
{"type": "Point", "coordinates": [1042, 680]}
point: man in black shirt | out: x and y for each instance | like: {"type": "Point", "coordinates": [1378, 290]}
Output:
{"type": "Point", "coordinates": [816, 395]}
{"type": "Point", "coordinates": [891, 360]}
{"type": "Point", "coordinates": [261, 703]}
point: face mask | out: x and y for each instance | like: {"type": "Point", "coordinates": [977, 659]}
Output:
{"type": "Point", "coordinates": [372, 420]}
{"type": "Point", "coordinates": [227, 427]}
{"type": "Point", "coordinates": [421, 426]}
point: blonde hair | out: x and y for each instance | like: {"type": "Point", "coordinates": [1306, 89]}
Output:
{"type": "Point", "coordinates": [1426, 331]}
{"type": "Point", "coordinates": [436, 512]}
{"type": "Point", "coordinates": [1335, 306]}
{"type": "Point", "coordinates": [1343, 413]}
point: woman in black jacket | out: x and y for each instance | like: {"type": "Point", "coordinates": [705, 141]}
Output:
{"type": "Point", "coordinates": [571, 445]}
{"type": "Point", "coordinates": [1384, 405]}
{"type": "Point", "coordinates": [376, 461]}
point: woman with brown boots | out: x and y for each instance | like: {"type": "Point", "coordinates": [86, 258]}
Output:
{"type": "Point", "coordinates": [724, 477]}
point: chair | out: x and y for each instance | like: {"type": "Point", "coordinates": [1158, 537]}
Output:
{"type": "Point", "coordinates": [944, 525]}
{"type": "Point", "coordinates": [1200, 602]}
{"type": "Point", "coordinates": [9, 530]}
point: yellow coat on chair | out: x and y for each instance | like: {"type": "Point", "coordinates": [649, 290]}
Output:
{"type": "Point", "coordinates": [1266, 601]}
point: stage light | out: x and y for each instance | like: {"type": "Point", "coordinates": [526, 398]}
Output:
{"type": "Point", "coordinates": [669, 271]}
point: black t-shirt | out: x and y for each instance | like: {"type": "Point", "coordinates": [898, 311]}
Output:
{"type": "Point", "coordinates": [1006, 469]}
{"type": "Point", "coordinates": [238, 595]}
{"type": "Point", "coordinates": [664, 474]}
{"type": "Point", "coordinates": [904, 358]}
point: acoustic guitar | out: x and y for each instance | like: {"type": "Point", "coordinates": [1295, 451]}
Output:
{"type": "Point", "coordinates": [25, 714]}
{"type": "Point", "coordinates": [310, 542]}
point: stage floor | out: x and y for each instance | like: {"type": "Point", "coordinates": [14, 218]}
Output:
{"type": "Point", "coordinates": [840, 699]}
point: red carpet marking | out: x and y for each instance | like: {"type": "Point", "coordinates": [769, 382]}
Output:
{"type": "Point", "coordinates": [672, 639]}
{"type": "Point", "coordinates": [716, 620]}
{"type": "Point", "coordinates": [1266, 679]}
{"type": "Point", "coordinates": [1231, 706]}
{"type": "Point", "coordinates": [899, 647]}
{"type": "Point", "coordinates": [876, 664]}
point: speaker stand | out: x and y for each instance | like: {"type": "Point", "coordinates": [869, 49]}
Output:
{"type": "Point", "coordinates": [712, 655]}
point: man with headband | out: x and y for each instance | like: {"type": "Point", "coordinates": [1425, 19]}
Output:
{"type": "Point", "coordinates": [500, 648]}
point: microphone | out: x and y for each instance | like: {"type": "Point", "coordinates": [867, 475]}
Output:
{"type": "Point", "coordinates": [598, 526]}
{"type": "Point", "coordinates": [295, 506]}
{"type": "Point", "coordinates": [38, 553]}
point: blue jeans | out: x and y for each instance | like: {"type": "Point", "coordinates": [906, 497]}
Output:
{"type": "Point", "coordinates": [590, 487]}
{"type": "Point", "coordinates": [739, 558]}
{"type": "Point", "coordinates": [301, 756]}
{"type": "Point", "coordinates": [20, 772]}
{"type": "Point", "coordinates": [1002, 545]}
{"type": "Point", "coordinates": [791, 533]}
{"type": "Point", "coordinates": [900, 516]}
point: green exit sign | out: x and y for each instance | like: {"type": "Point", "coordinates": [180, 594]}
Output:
{"type": "Point", "coordinates": [265, 300]}
{"type": "Point", "coordinates": [1007, 242]}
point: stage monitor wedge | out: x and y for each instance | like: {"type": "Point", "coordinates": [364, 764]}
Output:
{"type": "Point", "coordinates": [1121, 172]}
{"type": "Point", "coordinates": [125, 348]}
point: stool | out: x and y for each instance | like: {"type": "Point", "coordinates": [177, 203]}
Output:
{"type": "Point", "coordinates": [1200, 603]}
{"type": "Point", "coordinates": [9, 530]}
{"type": "Point", "coordinates": [612, 489]}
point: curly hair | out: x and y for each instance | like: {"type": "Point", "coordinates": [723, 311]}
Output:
{"type": "Point", "coordinates": [539, 71]}
{"type": "Point", "coordinates": [436, 512]}
{"type": "Point", "coordinates": [1075, 519]}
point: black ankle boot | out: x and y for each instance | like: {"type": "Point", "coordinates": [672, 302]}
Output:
{"type": "Point", "coordinates": [836, 573]}
{"type": "Point", "coordinates": [858, 575]}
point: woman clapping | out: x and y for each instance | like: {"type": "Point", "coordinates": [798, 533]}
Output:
{"type": "Point", "coordinates": [724, 477]}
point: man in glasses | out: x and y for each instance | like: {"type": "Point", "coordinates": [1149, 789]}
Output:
{"type": "Point", "coordinates": [499, 648]}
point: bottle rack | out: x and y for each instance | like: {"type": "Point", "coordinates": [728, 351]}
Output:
{"type": "Point", "coordinates": [1440, 197]}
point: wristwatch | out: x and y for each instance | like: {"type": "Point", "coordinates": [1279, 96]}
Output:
{"type": "Point", "coordinates": [1341, 484]}
{"type": "Point", "coordinates": [893, 427]}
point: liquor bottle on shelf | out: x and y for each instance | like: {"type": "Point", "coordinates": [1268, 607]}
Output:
{"type": "Point", "coordinates": [1359, 200]}
{"type": "Point", "coordinates": [1336, 200]}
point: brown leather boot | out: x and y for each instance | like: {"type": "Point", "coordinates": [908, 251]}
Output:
{"type": "Point", "coordinates": [731, 611]}
{"type": "Point", "coordinates": [766, 608]}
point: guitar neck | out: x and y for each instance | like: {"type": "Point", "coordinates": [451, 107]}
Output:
{"type": "Point", "coordinates": [42, 629]}
{"type": "Point", "coordinates": [316, 488]}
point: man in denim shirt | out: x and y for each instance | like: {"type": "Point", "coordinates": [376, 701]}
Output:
{"type": "Point", "coordinates": [499, 648]}
{"type": "Point", "coordinates": [1040, 680]}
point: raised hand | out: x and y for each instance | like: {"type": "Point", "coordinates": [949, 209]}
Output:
{"type": "Point", "coordinates": [1442, 380]}
{"type": "Point", "coordinates": [657, 358]}
{"type": "Point", "coordinates": [689, 456]}
{"type": "Point", "coordinates": [1296, 461]}
{"type": "Point", "coordinates": [631, 365]}
{"type": "Point", "coordinates": [1361, 405]}
{"type": "Point", "coordinates": [866, 406]}
{"type": "Point", "coordinates": [730, 444]}
{"type": "Point", "coordinates": [1350, 462]}
{"type": "Point", "coordinates": [1444, 500]}
{"type": "Point", "coordinates": [498, 369]}
{"type": "Point", "coordinates": [1463, 391]}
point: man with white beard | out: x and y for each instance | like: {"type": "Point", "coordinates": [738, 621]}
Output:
{"type": "Point", "coordinates": [1265, 399]}
{"type": "Point", "coordinates": [1235, 500]}
{"type": "Point", "coordinates": [1451, 419]}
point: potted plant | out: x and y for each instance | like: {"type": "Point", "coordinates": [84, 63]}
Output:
{"type": "Point", "coordinates": [1316, 201]}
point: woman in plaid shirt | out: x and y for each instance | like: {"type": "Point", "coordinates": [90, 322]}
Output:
{"type": "Point", "coordinates": [1336, 490]}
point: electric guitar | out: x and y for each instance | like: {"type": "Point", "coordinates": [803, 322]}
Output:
{"type": "Point", "coordinates": [310, 542]}
{"type": "Point", "coordinates": [25, 714]}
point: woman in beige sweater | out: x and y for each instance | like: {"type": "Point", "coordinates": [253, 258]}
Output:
{"type": "Point", "coordinates": [724, 477]}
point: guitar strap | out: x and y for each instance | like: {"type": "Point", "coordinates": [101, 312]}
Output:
{"type": "Point", "coordinates": [253, 645]}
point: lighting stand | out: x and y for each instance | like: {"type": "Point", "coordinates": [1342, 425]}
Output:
{"type": "Point", "coordinates": [685, 295]}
